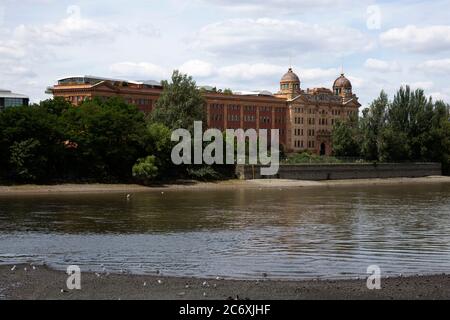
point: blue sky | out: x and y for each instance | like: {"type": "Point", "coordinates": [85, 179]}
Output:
{"type": "Point", "coordinates": [240, 44]}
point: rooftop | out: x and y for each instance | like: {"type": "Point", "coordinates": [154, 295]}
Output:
{"type": "Point", "coordinates": [94, 80]}
{"type": "Point", "coordinates": [8, 94]}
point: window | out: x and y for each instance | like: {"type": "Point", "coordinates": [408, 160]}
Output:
{"type": "Point", "coordinates": [14, 102]}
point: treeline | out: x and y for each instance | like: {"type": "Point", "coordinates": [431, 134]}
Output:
{"type": "Point", "coordinates": [101, 141]}
{"type": "Point", "coordinates": [411, 127]}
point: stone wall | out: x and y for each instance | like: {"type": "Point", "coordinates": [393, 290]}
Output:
{"type": "Point", "coordinates": [317, 172]}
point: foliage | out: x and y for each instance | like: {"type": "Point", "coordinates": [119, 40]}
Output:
{"type": "Point", "coordinates": [411, 127]}
{"type": "Point", "coordinates": [346, 138]}
{"type": "Point", "coordinates": [204, 173]}
{"type": "Point", "coordinates": [305, 157]}
{"type": "Point", "coordinates": [99, 140]}
{"type": "Point", "coordinates": [145, 169]}
{"type": "Point", "coordinates": [180, 103]}
{"type": "Point", "coordinates": [27, 163]}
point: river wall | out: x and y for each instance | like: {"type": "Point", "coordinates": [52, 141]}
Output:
{"type": "Point", "coordinates": [318, 172]}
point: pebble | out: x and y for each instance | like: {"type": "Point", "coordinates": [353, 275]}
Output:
{"type": "Point", "coordinates": [182, 293]}
{"type": "Point", "coordinates": [204, 294]}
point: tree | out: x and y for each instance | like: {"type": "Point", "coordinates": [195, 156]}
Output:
{"type": "Point", "coordinates": [372, 124]}
{"type": "Point", "coordinates": [145, 169]}
{"type": "Point", "coordinates": [159, 143]}
{"type": "Point", "coordinates": [109, 136]}
{"type": "Point", "coordinates": [27, 162]}
{"type": "Point", "coordinates": [180, 103]}
{"type": "Point", "coordinates": [346, 138]}
{"type": "Point", "coordinates": [227, 92]}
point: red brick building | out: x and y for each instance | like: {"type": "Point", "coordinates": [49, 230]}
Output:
{"type": "Point", "coordinates": [305, 118]}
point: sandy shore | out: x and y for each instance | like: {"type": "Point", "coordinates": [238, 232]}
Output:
{"type": "Point", "coordinates": [43, 284]}
{"type": "Point", "coordinates": [222, 185]}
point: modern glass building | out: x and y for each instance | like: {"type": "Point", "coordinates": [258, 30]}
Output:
{"type": "Point", "coordinates": [10, 99]}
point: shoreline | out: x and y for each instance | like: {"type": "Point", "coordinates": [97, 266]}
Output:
{"type": "Point", "coordinates": [48, 284]}
{"type": "Point", "coordinates": [221, 185]}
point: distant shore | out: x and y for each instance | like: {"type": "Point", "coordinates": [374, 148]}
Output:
{"type": "Point", "coordinates": [43, 283]}
{"type": "Point", "coordinates": [221, 185]}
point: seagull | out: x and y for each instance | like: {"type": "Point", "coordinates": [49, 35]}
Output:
{"type": "Point", "coordinates": [13, 268]}
{"type": "Point", "coordinates": [159, 282]}
{"type": "Point", "coordinates": [25, 269]}
{"type": "Point", "coordinates": [128, 197]}
{"type": "Point", "coordinates": [145, 284]}
{"type": "Point", "coordinates": [34, 268]}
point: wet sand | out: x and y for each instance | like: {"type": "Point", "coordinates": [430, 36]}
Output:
{"type": "Point", "coordinates": [222, 185]}
{"type": "Point", "coordinates": [44, 284]}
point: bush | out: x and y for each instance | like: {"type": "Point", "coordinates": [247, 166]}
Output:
{"type": "Point", "coordinates": [203, 173]}
{"type": "Point", "coordinates": [145, 170]}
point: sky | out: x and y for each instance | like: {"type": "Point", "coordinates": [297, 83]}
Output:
{"type": "Point", "coordinates": [237, 44]}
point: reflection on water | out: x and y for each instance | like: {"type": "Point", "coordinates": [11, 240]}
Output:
{"type": "Point", "coordinates": [288, 234]}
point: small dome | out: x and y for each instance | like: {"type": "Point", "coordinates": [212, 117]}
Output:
{"type": "Point", "coordinates": [342, 82]}
{"type": "Point", "coordinates": [290, 76]}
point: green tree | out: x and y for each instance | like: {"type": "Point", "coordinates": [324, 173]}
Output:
{"type": "Point", "coordinates": [372, 125]}
{"type": "Point", "coordinates": [109, 136]}
{"type": "Point", "coordinates": [145, 169]}
{"type": "Point", "coordinates": [180, 103]}
{"type": "Point", "coordinates": [346, 137]}
{"type": "Point", "coordinates": [27, 161]}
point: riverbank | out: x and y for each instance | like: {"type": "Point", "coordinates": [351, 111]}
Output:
{"type": "Point", "coordinates": [43, 283]}
{"type": "Point", "coordinates": [221, 185]}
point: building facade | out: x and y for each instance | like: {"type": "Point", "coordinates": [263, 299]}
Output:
{"type": "Point", "coordinates": [9, 99]}
{"type": "Point", "coordinates": [305, 119]}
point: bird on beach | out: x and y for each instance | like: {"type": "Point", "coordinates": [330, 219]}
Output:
{"type": "Point", "coordinates": [13, 268]}
{"type": "Point", "coordinates": [128, 197]}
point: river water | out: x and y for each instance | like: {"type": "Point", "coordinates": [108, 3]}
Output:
{"type": "Point", "coordinates": [304, 233]}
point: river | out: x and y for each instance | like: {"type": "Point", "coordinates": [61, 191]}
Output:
{"type": "Point", "coordinates": [303, 233]}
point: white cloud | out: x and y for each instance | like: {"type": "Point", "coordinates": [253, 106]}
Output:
{"type": "Point", "coordinates": [435, 66]}
{"type": "Point", "coordinates": [72, 30]}
{"type": "Point", "coordinates": [11, 50]}
{"type": "Point", "coordinates": [244, 71]}
{"type": "Point", "coordinates": [148, 71]}
{"type": "Point", "coordinates": [197, 68]}
{"type": "Point", "coordinates": [382, 66]}
{"type": "Point", "coordinates": [280, 5]}
{"type": "Point", "coordinates": [425, 85]}
{"type": "Point", "coordinates": [271, 37]}
{"type": "Point", "coordinates": [427, 39]}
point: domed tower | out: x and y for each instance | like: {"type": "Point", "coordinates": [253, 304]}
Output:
{"type": "Point", "coordinates": [342, 87]}
{"type": "Point", "coordinates": [290, 84]}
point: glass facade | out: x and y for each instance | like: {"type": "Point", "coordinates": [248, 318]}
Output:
{"type": "Point", "coordinates": [6, 102]}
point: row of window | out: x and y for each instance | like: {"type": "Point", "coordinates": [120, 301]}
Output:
{"type": "Point", "coordinates": [323, 112]}
{"type": "Point", "coordinates": [236, 107]}
{"type": "Point", "coordinates": [15, 102]}
{"type": "Point", "coordinates": [285, 86]}
{"type": "Point", "coordinates": [301, 144]}
{"type": "Point", "coordinates": [247, 118]}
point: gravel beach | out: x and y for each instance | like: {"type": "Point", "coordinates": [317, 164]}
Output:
{"type": "Point", "coordinates": [43, 283]}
